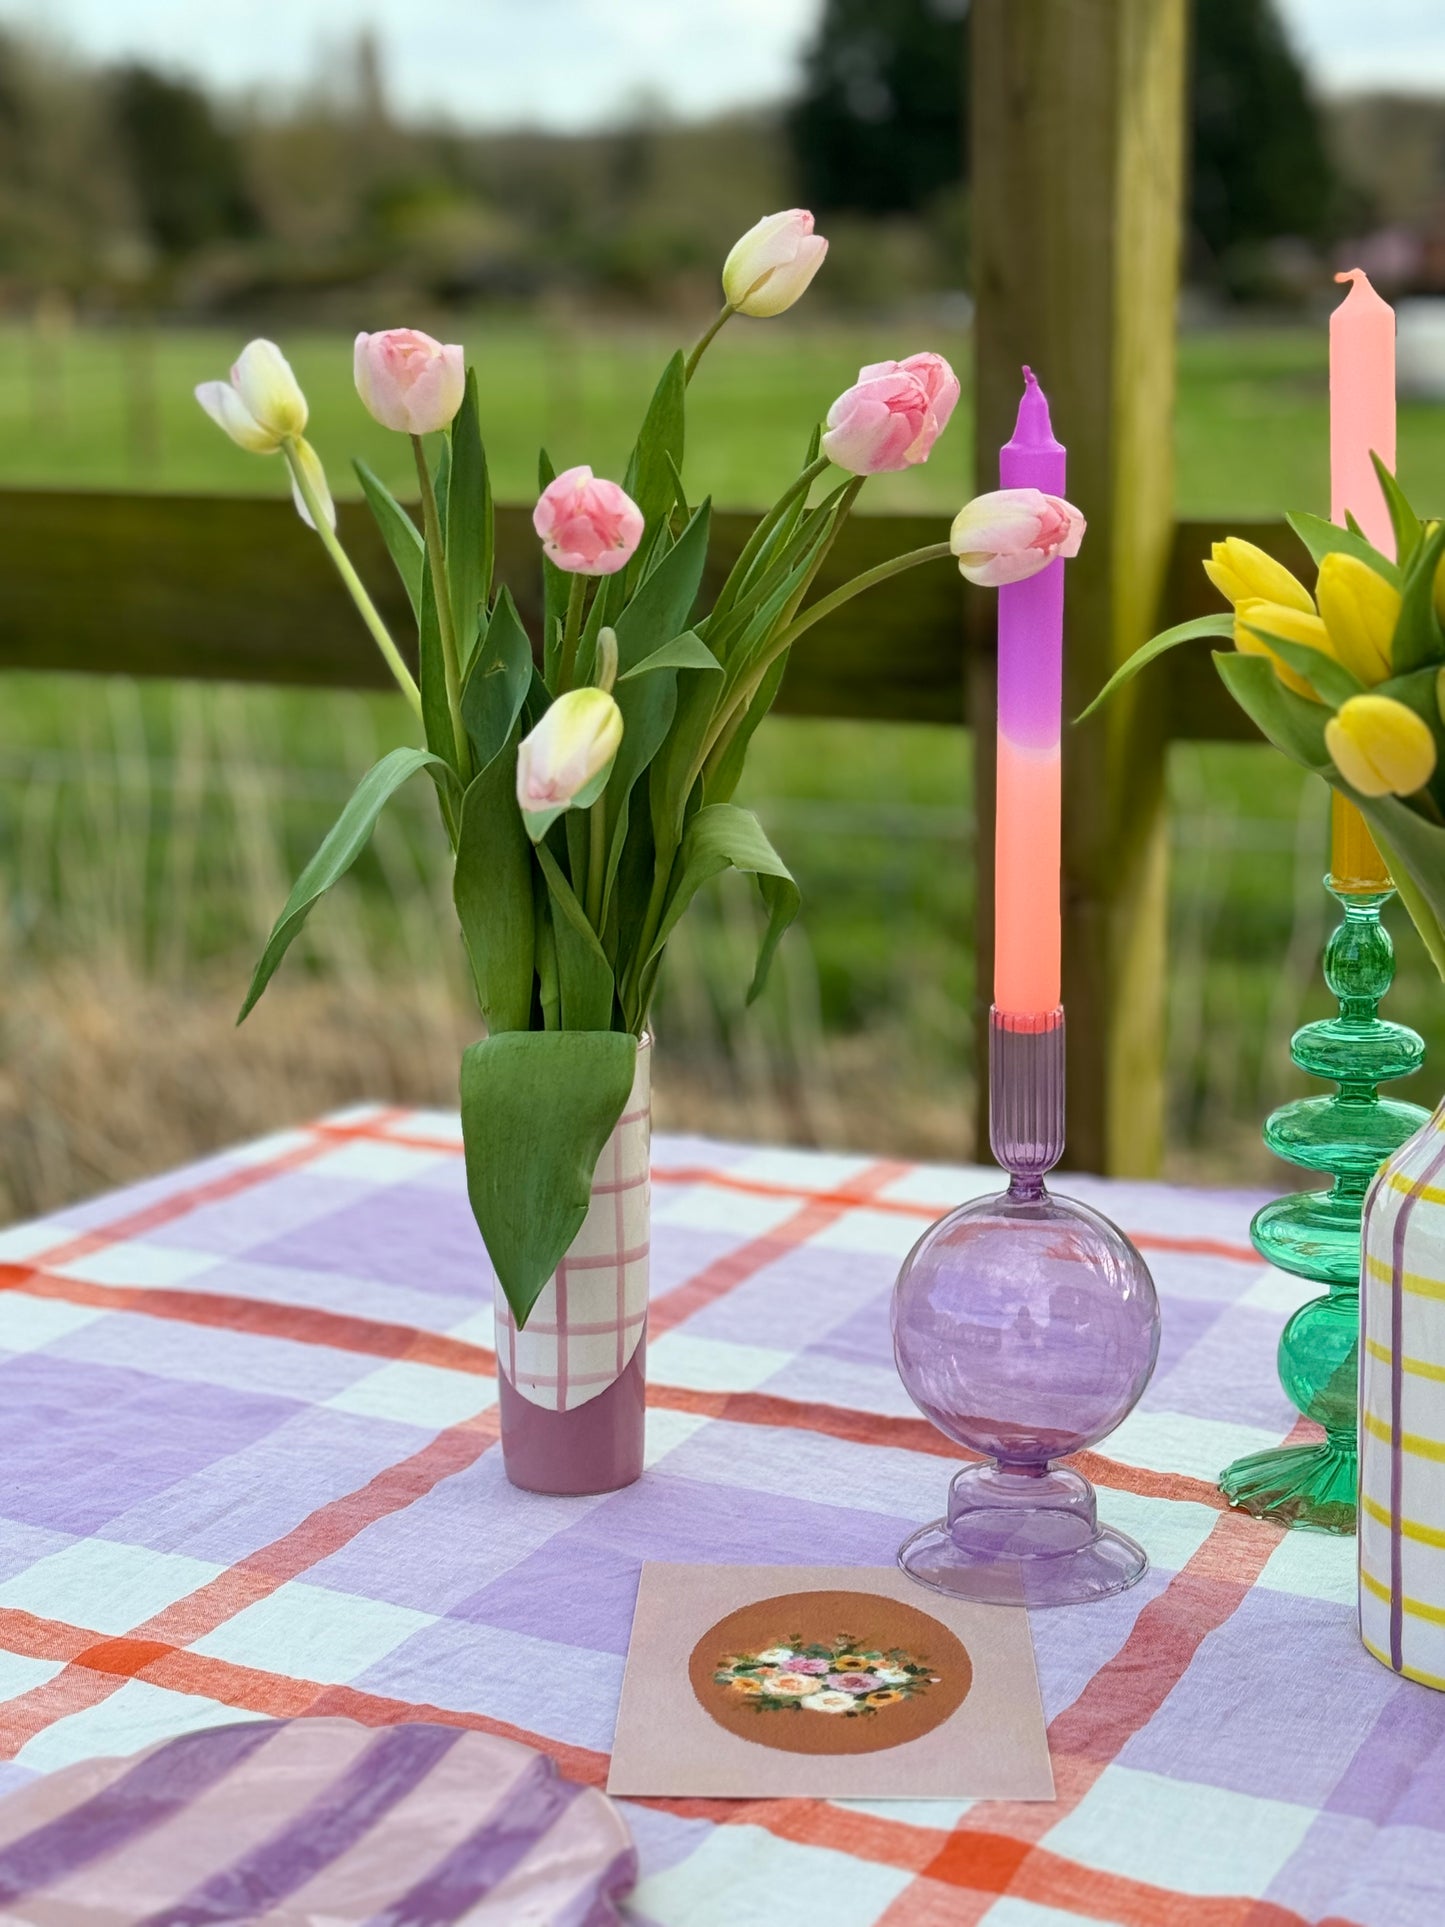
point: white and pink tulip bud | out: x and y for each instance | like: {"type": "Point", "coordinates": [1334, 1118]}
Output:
{"type": "Point", "coordinates": [1012, 533]}
{"type": "Point", "coordinates": [262, 405]}
{"type": "Point", "coordinates": [771, 266]}
{"type": "Point", "coordinates": [408, 381]}
{"type": "Point", "coordinates": [891, 416]}
{"type": "Point", "coordinates": [588, 526]}
{"type": "Point", "coordinates": [565, 763]}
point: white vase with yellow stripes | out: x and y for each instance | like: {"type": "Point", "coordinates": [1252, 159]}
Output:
{"type": "Point", "coordinates": [1402, 1411]}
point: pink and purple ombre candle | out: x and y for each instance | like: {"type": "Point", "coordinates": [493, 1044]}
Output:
{"type": "Point", "coordinates": [1026, 972]}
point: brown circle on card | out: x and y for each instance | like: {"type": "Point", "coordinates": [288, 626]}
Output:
{"type": "Point", "coordinates": [830, 1672]}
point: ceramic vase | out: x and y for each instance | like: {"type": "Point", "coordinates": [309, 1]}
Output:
{"type": "Point", "coordinates": [1402, 1410]}
{"type": "Point", "coordinates": [572, 1382]}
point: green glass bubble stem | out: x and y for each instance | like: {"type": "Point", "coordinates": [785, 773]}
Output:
{"type": "Point", "coordinates": [1316, 1234]}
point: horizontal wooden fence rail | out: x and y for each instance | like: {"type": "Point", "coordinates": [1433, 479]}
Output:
{"type": "Point", "coordinates": [236, 589]}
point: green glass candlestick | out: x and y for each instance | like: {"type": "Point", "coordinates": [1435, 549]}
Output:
{"type": "Point", "coordinates": [1316, 1234]}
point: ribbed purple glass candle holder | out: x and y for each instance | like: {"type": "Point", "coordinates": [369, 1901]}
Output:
{"type": "Point", "coordinates": [1026, 1327]}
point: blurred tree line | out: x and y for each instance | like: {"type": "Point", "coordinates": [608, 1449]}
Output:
{"type": "Point", "coordinates": [882, 119]}
{"type": "Point", "coordinates": [131, 187]}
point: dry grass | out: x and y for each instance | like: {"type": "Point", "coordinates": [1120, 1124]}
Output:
{"type": "Point", "coordinates": [108, 1078]}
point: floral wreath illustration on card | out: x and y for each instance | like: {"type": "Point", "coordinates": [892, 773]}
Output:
{"type": "Point", "coordinates": [830, 1672]}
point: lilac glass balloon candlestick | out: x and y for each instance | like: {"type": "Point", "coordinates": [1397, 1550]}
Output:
{"type": "Point", "coordinates": [1025, 1325]}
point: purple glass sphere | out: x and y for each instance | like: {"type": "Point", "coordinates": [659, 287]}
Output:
{"type": "Point", "coordinates": [1026, 1327]}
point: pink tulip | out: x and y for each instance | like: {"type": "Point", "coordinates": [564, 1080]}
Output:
{"type": "Point", "coordinates": [565, 762]}
{"type": "Point", "coordinates": [588, 526]}
{"type": "Point", "coordinates": [771, 266]}
{"type": "Point", "coordinates": [892, 415]}
{"type": "Point", "coordinates": [1012, 533]}
{"type": "Point", "coordinates": [408, 381]}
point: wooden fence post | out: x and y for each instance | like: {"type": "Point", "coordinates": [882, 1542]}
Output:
{"type": "Point", "coordinates": [1077, 129]}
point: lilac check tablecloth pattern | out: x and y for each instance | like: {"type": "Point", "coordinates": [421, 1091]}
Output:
{"type": "Point", "coordinates": [249, 1471]}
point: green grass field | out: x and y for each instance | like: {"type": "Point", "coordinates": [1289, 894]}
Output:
{"type": "Point", "coordinates": [152, 832]}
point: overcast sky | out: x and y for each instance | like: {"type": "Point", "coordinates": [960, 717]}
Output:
{"type": "Point", "coordinates": [568, 63]}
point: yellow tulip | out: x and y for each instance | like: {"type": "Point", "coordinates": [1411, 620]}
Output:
{"type": "Point", "coordinates": [1243, 573]}
{"type": "Point", "coordinates": [1278, 619]}
{"type": "Point", "coordinates": [1381, 747]}
{"type": "Point", "coordinates": [1360, 610]}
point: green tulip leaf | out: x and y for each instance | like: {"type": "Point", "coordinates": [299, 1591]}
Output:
{"type": "Point", "coordinates": [1403, 519]}
{"type": "Point", "coordinates": [340, 848]}
{"type": "Point", "coordinates": [436, 714]}
{"type": "Point", "coordinates": [659, 611]}
{"type": "Point", "coordinates": [442, 479]}
{"type": "Point", "coordinates": [647, 696]}
{"type": "Point", "coordinates": [1292, 723]}
{"type": "Point", "coordinates": [1418, 641]}
{"type": "Point", "coordinates": [724, 776]}
{"type": "Point", "coordinates": [584, 976]}
{"type": "Point", "coordinates": [723, 837]}
{"type": "Point", "coordinates": [1418, 691]}
{"type": "Point", "coordinates": [492, 891]}
{"type": "Point", "coordinates": [658, 454]}
{"type": "Point", "coordinates": [556, 587]}
{"type": "Point", "coordinates": [497, 680]}
{"type": "Point", "coordinates": [1325, 674]}
{"type": "Point", "coordinates": [1324, 538]}
{"type": "Point", "coordinates": [679, 488]}
{"type": "Point", "coordinates": [470, 533]}
{"type": "Point", "coordinates": [1414, 850]}
{"type": "Point", "coordinates": [687, 651]}
{"type": "Point", "coordinates": [537, 1108]}
{"type": "Point", "coordinates": [1220, 625]}
{"type": "Point", "coordinates": [400, 534]}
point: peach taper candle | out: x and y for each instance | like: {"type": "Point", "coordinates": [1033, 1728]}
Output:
{"type": "Point", "coordinates": [1362, 422]}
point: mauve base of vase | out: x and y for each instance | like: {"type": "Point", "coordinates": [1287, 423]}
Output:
{"type": "Point", "coordinates": [596, 1447]}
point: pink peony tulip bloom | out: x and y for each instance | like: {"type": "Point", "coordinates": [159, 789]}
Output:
{"type": "Point", "coordinates": [771, 266]}
{"type": "Point", "coordinates": [408, 381]}
{"type": "Point", "coordinates": [892, 415]}
{"type": "Point", "coordinates": [588, 526]}
{"type": "Point", "coordinates": [1011, 533]}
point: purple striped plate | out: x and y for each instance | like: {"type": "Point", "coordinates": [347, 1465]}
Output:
{"type": "Point", "coordinates": [304, 1821]}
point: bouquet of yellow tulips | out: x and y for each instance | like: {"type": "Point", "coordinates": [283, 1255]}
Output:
{"type": "Point", "coordinates": [1348, 681]}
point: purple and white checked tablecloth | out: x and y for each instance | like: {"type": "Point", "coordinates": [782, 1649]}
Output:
{"type": "Point", "coordinates": [249, 1470]}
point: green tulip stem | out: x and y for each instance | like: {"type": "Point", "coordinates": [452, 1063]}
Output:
{"type": "Point", "coordinates": [869, 579]}
{"type": "Point", "coordinates": [446, 626]}
{"type": "Point", "coordinates": [355, 587]}
{"type": "Point", "coordinates": [571, 633]}
{"type": "Point", "coordinates": [739, 570]}
{"type": "Point", "coordinates": [700, 346]}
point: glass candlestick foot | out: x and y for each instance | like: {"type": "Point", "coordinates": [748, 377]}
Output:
{"type": "Point", "coordinates": [1311, 1487]}
{"type": "Point", "coordinates": [1022, 1538]}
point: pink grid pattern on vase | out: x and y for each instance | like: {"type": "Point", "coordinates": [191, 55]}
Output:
{"type": "Point", "coordinates": [592, 1312]}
